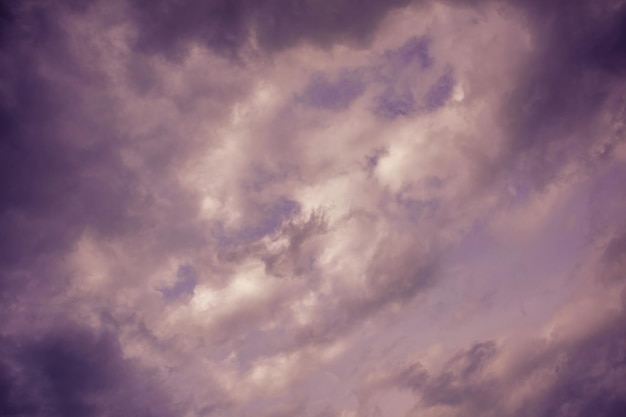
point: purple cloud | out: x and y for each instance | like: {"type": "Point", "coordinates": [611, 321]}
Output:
{"type": "Point", "coordinates": [226, 208]}
{"type": "Point", "coordinates": [73, 372]}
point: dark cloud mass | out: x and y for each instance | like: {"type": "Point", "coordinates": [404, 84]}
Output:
{"type": "Point", "coordinates": [572, 78]}
{"type": "Point", "coordinates": [587, 378]}
{"type": "Point", "coordinates": [53, 183]}
{"type": "Point", "coordinates": [73, 372]}
{"type": "Point", "coordinates": [226, 26]}
{"type": "Point", "coordinates": [314, 208]}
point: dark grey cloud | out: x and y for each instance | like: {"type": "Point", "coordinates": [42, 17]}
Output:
{"type": "Point", "coordinates": [62, 166]}
{"type": "Point", "coordinates": [71, 372]}
{"type": "Point", "coordinates": [586, 378]}
{"type": "Point", "coordinates": [226, 26]}
{"type": "Point", "coordinates": [55, 181]}
{"type": "Point", "coordinates": [459, 382]}
{"type": "Point", "coordinates": [590, 379]}
{"type": "Point", "coordinates": [63, 175]}
{"type": "Point", "coordinates": [572, 78]}
{"type": "Point", "coordinates": [615, 259]}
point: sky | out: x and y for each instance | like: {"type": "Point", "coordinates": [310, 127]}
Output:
{"type": "Point", "coordinates": [313, 208]}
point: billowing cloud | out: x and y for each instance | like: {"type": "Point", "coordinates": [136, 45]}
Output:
{"type": "Point", "coordinates": [340, 208]}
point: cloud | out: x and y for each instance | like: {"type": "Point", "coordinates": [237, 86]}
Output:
{"type": "Point", "coordinates": [73, 371]}
{"type": "Point", "coordinates": [284, 204]}
{"type": "Point", "coordinates": [615, 256]}
{"type": "Point", "coordinates": [228, 27]}
{"type": "Point", "coordinates": [567, 84]}
{"type": "Point", "coordinates": [562, 376]}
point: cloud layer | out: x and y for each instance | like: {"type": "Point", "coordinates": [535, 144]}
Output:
{"type": "Point", "coordinates": [279, 208]}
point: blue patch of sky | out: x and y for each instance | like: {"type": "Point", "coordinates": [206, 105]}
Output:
{"type": "Point", "coordinates": [333, 94]}
{"type": "Point", "coordinates": [391, 104]}
{"type": "Point", "coordinates": [397, 99]}
{"type": "Point", "coordinates": [413, 50]}
{"type": "Point", "coordinates": [185, 283]}
{"type": "Point", "coordinates": [440, 91]}
{"type": "Point", "coordinates": [338, 91]}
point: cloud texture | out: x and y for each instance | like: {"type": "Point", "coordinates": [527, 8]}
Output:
{"type": "Point", "coordinates": [312, 208]}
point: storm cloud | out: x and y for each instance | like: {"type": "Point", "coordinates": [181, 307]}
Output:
{"type": "Point", "coordinates": [315, 208]}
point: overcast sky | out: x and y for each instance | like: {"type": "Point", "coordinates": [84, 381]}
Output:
{"type": "Point", "coordinates": [313, 208]}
